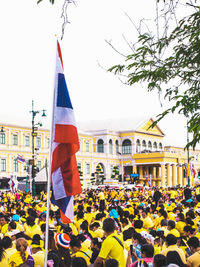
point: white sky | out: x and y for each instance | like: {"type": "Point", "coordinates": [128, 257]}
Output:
{"type": "Point", "coordinates": [27, 61]}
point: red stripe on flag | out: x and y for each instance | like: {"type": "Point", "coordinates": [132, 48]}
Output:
{"type": "Point", "coordinates": [66, 134]}
{"type": "Point", "coordinates": [60, 54]}
{"type": "Point", "coordinates": [71, 178]}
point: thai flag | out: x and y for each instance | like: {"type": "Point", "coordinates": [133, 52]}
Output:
{"type": "Point", "coordinates": [65, 179]}
{"type": "Point", "coordinates": [20, 159]}
{"type": "Point", "coordinates": [12, 184]}
{"type": "Point", "coordinates": [147, 179]}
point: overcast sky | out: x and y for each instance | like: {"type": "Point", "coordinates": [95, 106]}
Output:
{"type": "Point", "coordinates": [28, 61]}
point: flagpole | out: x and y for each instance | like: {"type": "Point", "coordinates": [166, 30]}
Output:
{"type": "Point", "coordinates": [49, 174]}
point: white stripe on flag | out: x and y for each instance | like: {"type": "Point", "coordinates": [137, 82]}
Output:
{"type": "Point", "coordinates": [58, 186]}
{"type": "Point", "coordinates": [70, 208]}
{"type": "Point", "coordinates": [64, 116]}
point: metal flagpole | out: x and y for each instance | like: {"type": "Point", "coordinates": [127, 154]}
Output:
{"type": "Point", "coordinates": [49, 173]}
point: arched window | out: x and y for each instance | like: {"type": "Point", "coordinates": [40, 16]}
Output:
{"type": "Point", "coordinates": [126, 147]}
{"type": "Point", "coordinates": [144, 145]}
{"type": "Point", "coordinates": [155, 146]}
{"type": "Point", "coordinates": [117, 146]}
{"type": "Point", "coordinates": [110, 147]}
{"type": "Point", "coordinates": [160, 146]}
{"type": "Point", "coordinates": [100, 146]}
{"type": "Point", "coordinates": [150, 145]}
{"type": "Point", "coordinates": [138, 146]}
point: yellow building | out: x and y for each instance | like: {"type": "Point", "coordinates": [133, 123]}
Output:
{"type": "Point", "coordinates": [129, 144]}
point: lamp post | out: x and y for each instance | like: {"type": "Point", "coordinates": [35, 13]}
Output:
{"type": "Point", "coordinates": [188, 155]}
{"type": "Point", "coordinates": [33, 134]}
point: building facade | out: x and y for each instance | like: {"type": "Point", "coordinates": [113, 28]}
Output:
{"type": "Point", "coordinates": [135, 150]}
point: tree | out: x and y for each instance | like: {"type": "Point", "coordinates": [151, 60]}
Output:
{"type": "Point", "coordinates": [115, 172]}
{"type": "Point", "coordinates": [80, 174]}
{"type": "Point", "coordinates": [170, 63]}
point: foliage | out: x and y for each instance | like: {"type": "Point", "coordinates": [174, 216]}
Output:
{"type": "Point", "coordinates": [171, 65]}
{"type": "Point", "coordinates": [115, 172]}
{"type": "Point", "coordinates": [51, 1]}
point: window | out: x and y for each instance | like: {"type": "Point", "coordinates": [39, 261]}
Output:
{"type": "Point", "coordinates": [150, 145]}
{"type": "Point", "coordinates": [15, 139]}
{"type": "Point", "coordinates": [155, 146]}
{"type": "Point", "coordinates": [144, 146]}
{"type": "Point", "coordinates": [117, 146]}
{"type": "Point", "coordinates": [39, 165]}
{"type": "Point", "coordinates": [27, 140]}
{"type": "Point", "coordinates": [160, 146]}
{"type": "Point", "coordinates": [87, 168]}
{"type": "Point", "coordinates": [110, 147]}
{"type": "Point", "coordinates": [48, 142]}
{"type": "Point", "coordinates": [15, 165]}
{"type": "Point", "coordinates": [100, 146]}
{"type": "Point", "coordinates": [138, 147]}
{"type": "Point", "coordinates": [87, 147]}
{"type": "Point", "coordinates": [2, 138]}
{"type": "Point", "coordinates": [38, 141]}
{"type": "Point", "coordinates": [126, 147]}
{"type": "Point", "coordinates": [3, 165]}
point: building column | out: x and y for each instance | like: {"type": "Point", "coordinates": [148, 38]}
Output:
{"type": "Point", "coordinates": [140, 172]}
{"type": "Point", "coordinates": [154, 172]}
{"type": "Point", "coordinates": [162, 167]}
{"type": "Point", "coordinates": [168, 175]}
{"type": "Point", "coordinates": [174, 175]}
{"type": "Point", "coordinates": [134, 170]}
{"type": "Point", "coordinates": [180, 175]}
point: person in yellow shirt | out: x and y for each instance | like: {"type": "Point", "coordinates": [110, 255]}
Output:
{"type": "Point", "coordinates": [147, 222]}
{"type": "Point", "coordinates": [21, 255]}
{"type": "Point", "coordinates": [180, 223]}
{"type": "Point", "coordinates": [171, 227]}
{"type": "Point", "coordinates": [171, 243]}
{"type": "Point", "coordinates": [79, 251]}
{"type": "Point", "coordinates": [112, 247]}
{"type": "Point", "coordinates": [194, 259]}
{"type": "Point", "coordinates": [37, 252]}
{"type": "Point", "coordinates": [3, 224]}
{"type": "Point", "coordinates": [31, 228]}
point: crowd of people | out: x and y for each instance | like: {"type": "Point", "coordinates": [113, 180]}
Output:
{"type": "Point", "coordinates": [157, 227]}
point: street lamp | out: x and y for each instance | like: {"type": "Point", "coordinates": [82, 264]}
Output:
{"type": "Point", "coordinates": [33, 134]}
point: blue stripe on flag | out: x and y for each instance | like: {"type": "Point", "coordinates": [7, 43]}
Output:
{"type": "Point", "coordinates": [61, 203]}
{"type": "Point", "coordinates": [63, 99]}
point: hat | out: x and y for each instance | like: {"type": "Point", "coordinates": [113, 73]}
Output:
{"type": "Point", "coordinates": [62, 240]}
{"type": "Point", "coordinates": [15, 217]}
{"type": "Point", "coordinates": [114, 214]}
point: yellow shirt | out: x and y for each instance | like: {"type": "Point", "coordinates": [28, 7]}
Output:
{"type": "Point", "coordinates": [111, 249]}
{"type": "Point", "coordinates": [16, 259]}
{"type": "Point", "coordinates": [147, 222]}
{"type": "Point", "coordinates": [38, 258]}
{"type": "Point", "coordinates": [194, 260]}
{"type": "Point", "coordinates": [180, 226]}
{"type": "Point", "coordinates": [174, 232]}
{"type": "Point", "coordinates": [4, 261]}
{"type": "Point", "coordinates": [177, 249]}
{"type": "Point", "coordinates": [84, 253]}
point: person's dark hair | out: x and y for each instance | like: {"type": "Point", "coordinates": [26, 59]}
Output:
{"type": "Point", "coordinates": [171, 239]}
{"type": "Point", "coordinates": [181, 217]}
{"type": "Point", "coordinates": [189, 229]}
{"type": "Point", "coordinates": [111, 263]}
{"type": "Point", "coordinates": [88, 209]}
{"type": "Point", "coordinates": [80, 214]}
{"type": "Point", "coordinates": [174, 258]}
{"type": "Point", "coordinates": [79, 262]}
{"type": "Point", "coordinates": [96, 242]}
{"type": "Point", "coordinates": [13, 225]}
{"type": "Point", "coordinates": [64, 255]}
{"type": "Point", "coordinates": [140, 238]}
{"type": "Point", "coordinates": [171, 224]}
{"type": "Point", "coordinates": [138, 224]}
{"type": "Point", "coordinates": [2, 251]}
{"type": "Point", "coordinates": [43, 227]}
{"type": "Point", "coordinates": [109, 225]}
{"type": "Point", "coordinates": [163, 213]}
{"type": "Point", "coordinates": [163, 222]}
{"type": "Point", "coordinates": [124, 220]}
{"type": "Point", "coordinates": [159, 260]}
{"type": "Point", "coordinates": [193, 242]}
{"type": "Point", "coordinates": [75, 242]}
{"type": "Point", "coordinates": [148, 249]}
{"type": "Point", "coordinates": [30, 220]}
{"type": "Point", "coordinates": [7, 242]}
{"type": "Point", "coordinates": [127, 234]}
